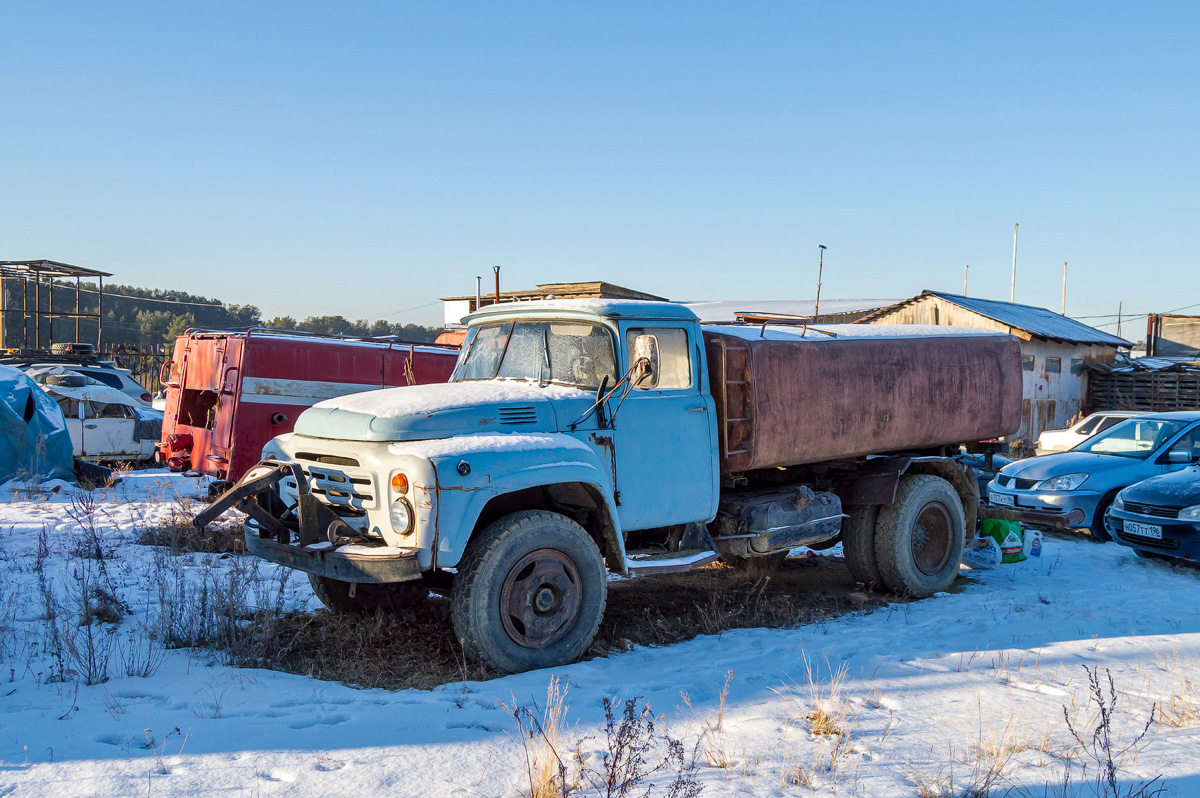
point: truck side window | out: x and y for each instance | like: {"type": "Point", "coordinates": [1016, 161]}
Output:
{"type": "Point", "coordinates": [674, 361]}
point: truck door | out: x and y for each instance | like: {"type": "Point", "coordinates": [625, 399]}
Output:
{"type": "Point", "coordinates": [665, 434]}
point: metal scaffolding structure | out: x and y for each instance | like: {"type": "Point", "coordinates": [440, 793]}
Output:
{"type": "Point", "coordinates": [43, 273]}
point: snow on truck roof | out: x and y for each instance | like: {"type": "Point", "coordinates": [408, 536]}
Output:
{"type": "Point", "coordinates": [615, 308]}
{"type": "Point", "coordinates": [834, 332]}
{"type": "Point", "coordinates": [675, 311]}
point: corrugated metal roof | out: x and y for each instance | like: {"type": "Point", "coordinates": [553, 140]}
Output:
{"type": "Point", "coordinates": [1033, 320]}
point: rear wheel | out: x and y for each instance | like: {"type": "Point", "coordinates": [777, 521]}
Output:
{"type": "Point", "coordinates": [530, 592]}
{"type": "Point", "coordinates": [919, 538]}
{"type": "Point", "coordinates": [1098, 530]}
{"type": "Point", "coordinates": [858, 543]}
{"type": "Point", "coordinates": [368, 598]}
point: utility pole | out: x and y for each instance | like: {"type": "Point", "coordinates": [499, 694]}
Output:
{"type": "Point", "coordinates": [1064, 305]}
{"type": "Point", "coordinates": [1120, 307]}
{"type": "Point", "coordinates": [1012, 294]}
{"type": "Point", "coordinates": [965, 270]}
{"type": "Point", "coordinates": [820, 270]}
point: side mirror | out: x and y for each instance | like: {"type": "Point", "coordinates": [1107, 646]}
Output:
{"type": "Point", "coordinates": [645, 353]}
{"type": "Point", "coordinates": [1179, 457]}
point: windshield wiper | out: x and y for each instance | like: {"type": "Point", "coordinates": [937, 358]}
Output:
{"type": "Point", "coordinates": [546, 351]}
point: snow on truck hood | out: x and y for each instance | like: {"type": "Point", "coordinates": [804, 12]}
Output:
{"type": "Point", "coordinates": [418, 412]}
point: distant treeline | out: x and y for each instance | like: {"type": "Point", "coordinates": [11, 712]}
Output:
{"type": "Point", "coordinates": [145, 317]}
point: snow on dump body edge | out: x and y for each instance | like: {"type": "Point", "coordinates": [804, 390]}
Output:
{"type": "Point", "coordinates": [417, 400]}
{"type": "Point", "coordinates": [489, 442]}
{"type": "Point", "coordinates": [755, 332]}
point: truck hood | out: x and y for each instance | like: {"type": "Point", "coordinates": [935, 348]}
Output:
{"type": "Point", "coordinates": [421, 412]}
{"type": "Point", "coordinates": [1055, 465]}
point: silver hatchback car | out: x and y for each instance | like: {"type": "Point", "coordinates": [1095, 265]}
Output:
{"type": "Point", "coordinates": [1089, 476]}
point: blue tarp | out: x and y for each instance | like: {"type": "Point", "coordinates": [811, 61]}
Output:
{"type": "Point", "coordinates": [34, 442]}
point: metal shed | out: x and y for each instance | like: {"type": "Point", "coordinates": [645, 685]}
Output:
{"type": "Point", "coordinates": [1055, 350]}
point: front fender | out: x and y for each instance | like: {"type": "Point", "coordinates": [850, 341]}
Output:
{"type": "Point", "coordinates": [498, 464]}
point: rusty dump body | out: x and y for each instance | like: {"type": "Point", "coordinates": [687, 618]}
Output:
{"type": "Point", "coordinates": [792, 396]}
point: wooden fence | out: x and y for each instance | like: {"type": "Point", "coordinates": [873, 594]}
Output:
{"type": "Point", "coordinates": [1148, 391]}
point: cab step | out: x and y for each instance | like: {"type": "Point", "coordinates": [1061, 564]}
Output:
{"type": "Point", "coordinates": [654, 561]}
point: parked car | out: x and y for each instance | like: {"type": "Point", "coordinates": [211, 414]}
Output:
{"type": "Point", "coordinates": [104, 372]}
{"type": "Point", "coordinates": [1089, 476]}
{"type": "Point", "coordinates": [104, 423]}
{"type": "Point", "coordinates": [1160, 516]}
{"type": "Point", "coordinates": [1060, 440]}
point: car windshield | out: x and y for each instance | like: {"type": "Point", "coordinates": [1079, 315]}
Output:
{"type": "Point", "coordinates": [1133, 437]}
{"type": "Point", "coordinates": [569, 353]}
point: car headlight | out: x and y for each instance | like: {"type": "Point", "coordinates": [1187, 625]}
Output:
{"type": "Point", "coordinates": [402, 516]}
{"type": "Point", "coordinates": [1190, 513]}
{"type": "Point", "coordinates": [1064, 482]}
{"type": "Point", "coordinates": [1119, 501]}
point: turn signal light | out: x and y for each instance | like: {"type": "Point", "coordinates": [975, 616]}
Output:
{"type": "Point", "coordinates": [400, 483]}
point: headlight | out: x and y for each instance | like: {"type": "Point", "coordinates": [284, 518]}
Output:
{"type": "Point", "coordinates": [1065, 482]}
{"type": "Point", "coordinates": [1119, 501]}
{"type": "Point", "coordinates": [402, 517]}
{"type": "Point", "coordinates": [1190, 513]}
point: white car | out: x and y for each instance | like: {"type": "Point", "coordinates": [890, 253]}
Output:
{"type": "Point", "coordinates": [104, 423]}
{"type": "Point", "coordinates": [1060, 440]}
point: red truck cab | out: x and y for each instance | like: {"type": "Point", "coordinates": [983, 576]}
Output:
{"type": "Point", "coordinates": [229, 393]}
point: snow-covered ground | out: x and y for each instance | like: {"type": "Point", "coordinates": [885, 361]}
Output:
{"type": "Point", "coordinates": [932, 693]}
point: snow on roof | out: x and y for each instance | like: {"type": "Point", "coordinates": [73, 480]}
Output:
{"type": "Point", "coordinates": [1030, 318]}
{"type": "Point", "coordinates": [726, 310]}
{"type": "Point", "coordinates": [755, 332]}
{"type": "Point", "coordinates": [635, 308]}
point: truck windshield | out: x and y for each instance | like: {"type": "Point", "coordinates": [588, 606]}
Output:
{"type": "Point", "coordinates": [569, 353]}
{"type": "Point", "coordinates": [1134, 437]}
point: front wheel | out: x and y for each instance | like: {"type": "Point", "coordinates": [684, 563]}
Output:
{"type": "Point", "coordinates": [530, 592]}
{"type": "Point", "coordinates": [919, 538]}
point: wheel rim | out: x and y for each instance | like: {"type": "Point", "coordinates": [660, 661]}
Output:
{"type": "Point", "coordinates": [541, 598]}
{"type": "Point", "coordinates": [931, 538]}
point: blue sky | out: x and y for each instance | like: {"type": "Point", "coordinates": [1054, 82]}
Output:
{"type": "Point", "coordinates": [366, 159]}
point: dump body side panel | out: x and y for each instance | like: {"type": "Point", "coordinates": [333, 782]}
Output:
{"type": "Point", "coordinates": [797, 401]}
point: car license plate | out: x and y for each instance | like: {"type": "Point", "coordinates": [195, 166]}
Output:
{"type": "Point", "coordinates": [1002, 498]}
{"type": "Point", "coordinates": [1145, 530]}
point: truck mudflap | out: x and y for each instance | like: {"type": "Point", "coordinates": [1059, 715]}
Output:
{"type": "Point", "coordinates": [309, 537]}
{"type": "Point", "coordinates": [1073, 518]}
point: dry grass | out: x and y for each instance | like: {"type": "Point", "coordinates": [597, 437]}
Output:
{"type": "Point", "coordinates": [714, 740]}
{"type": "Point", "coordinates": [417, 647]}
{"type": "Point", "coordinates": [543, 733]}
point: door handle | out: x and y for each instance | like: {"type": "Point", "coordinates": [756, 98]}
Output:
{"type": "Point", "coordinates": [91, 426]}
{"type": "Point", "coordinates": [698, 409]}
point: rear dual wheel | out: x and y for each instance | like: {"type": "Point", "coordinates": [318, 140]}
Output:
{"type": "Point", "coordinates": [913, 546]}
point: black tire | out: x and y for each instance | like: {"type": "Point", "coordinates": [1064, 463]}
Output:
{"type": "Point", "coordinates": [368, 599]}
{"type": "Point", "coordinates": [530, 592]}
{"type": "Point", "coordinates": [767, 561]}
{"type": "Point", "coordinates": [919, 538]}
{"type": "Point", "coordinates": [1098, 530]}
{"type": "Point", "coordinates": [858, 543]}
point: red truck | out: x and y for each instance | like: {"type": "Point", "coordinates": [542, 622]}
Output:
{"type": "Point", "coordinates": [228, 393]}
